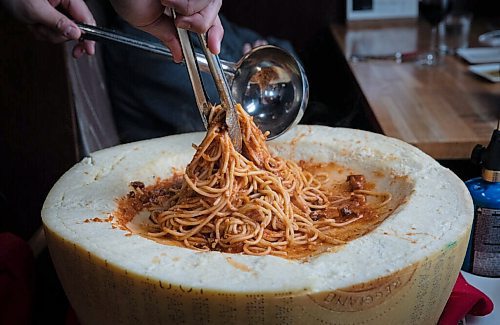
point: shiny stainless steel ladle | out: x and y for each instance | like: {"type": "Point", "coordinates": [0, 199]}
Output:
{"type": "Point", "coordinates": [269, 82]}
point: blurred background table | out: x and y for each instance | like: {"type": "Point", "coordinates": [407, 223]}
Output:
{"type": "Point", "coordinates": [444, 110]}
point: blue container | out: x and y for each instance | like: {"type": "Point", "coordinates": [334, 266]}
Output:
{"type": "Point", "coordinates": [483, 253]}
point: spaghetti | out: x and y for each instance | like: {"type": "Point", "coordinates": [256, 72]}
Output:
{"type": "Point", "coordinates": [253, 202]}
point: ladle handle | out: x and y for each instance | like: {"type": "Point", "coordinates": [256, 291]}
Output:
{"type": "Point", "coordinates": [96, 33]}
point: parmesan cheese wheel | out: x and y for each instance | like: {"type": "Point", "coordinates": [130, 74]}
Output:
{"type": "Point", "coordinates": [402, 272]}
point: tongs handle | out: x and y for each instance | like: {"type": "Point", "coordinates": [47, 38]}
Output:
{"type": "Point", "coordinates": [220, 82]}
{"type": "Point", "coordinates": [194, 74]}
{"type": "Point", "coordinates": [99, 33]}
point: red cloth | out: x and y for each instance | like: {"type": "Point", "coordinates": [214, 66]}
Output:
{"type": "Point", "coordinates": [17, 278]}
{"type": "Point", "coordinates": [465, 300]}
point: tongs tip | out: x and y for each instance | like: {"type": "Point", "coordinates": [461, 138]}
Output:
{"type": "Point", "coordinates": [234, 129]}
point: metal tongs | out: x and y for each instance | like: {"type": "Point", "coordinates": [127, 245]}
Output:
{"type": "Point", "coordinates": [220, 83]}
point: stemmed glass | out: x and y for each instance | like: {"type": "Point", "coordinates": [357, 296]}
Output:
{"type": "Point", "coordinates": [433, 11]}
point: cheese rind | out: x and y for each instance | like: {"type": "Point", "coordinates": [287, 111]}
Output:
{"type": "Point", "coordinates": [401, 272]}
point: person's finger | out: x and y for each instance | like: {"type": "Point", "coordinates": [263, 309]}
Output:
{"type": "Point", "coordinates": [215, 35]}
{"type": "Point", "coordinates": [79, 50]}
{"type": "Point", "coordinates": [79, 11]}
{"type": "Point", "coordinates": [246, 48]}
{"type": "Point", "coordinates": [89, 47]}
{"type": "Point", "coordinates": [188, 8]}
{"type": "Point", "coordinates": [43, 13]}
{"type": "Point", "coordinates": [260, 42]}
{"type": "Point", "coordinates": [148, 15]}
{"type": "Point", "coordinates": [201, 21]}
{"type": "Point", "coordinates": [164, 29]}
{"type": "Point", "coordinates": [43, 33]}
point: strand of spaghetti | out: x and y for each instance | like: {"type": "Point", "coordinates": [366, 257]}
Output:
{"type": "Point", "coordinates": [264, 214]}
{"type": "Point", "coordinates": [330, 239]}
{"type": "Point", "coordinates": [205, 180]}
{"type": "Point", "coordinates": [315, 236]}
{"type": "Point", "coordinates": [340, 200]}
{"type": "Point", "coordinates": [186, 222]}
{"type": "Point", "coordinates": [213, 156]}
{"type": "Point", "coordinates": [258, 237]}
{"type": "Point", "coordinates": [277, 213]}
{"type": "Point", "coordinates": [296, 171]}
{"type": "Point", "coordinates": [303, 219]}
{"type": "Point", "coordinates": [157, 234]}
{"type": "Point", "coordinates": [279, 165]}
{"type": "Point", "coordinates": [342, 224]}
{"type": "Point", "coordinates": [178, 213]}
{"type": "Point", "coordinates": [188, 244]}
{"type": "Point", "coordinates": [196, 189]}
{"type": "Point", "coordinates": [213, 189]}
{"type": "Point", "coordinates": [253, 250]}
{"type": "Point", "coordinates": [211, 135]}
{"type": "Point", "coordinates": [231, 179]}
{"type": "Point", "coordinates": [273, 243]}
{"type": "Point", "coordinates": [243, 236]}
{"type": "Point", "coordinates": [197, 228]}
{"type": "Point", "coordinates": [227, 153]}
{"type": "Point", "coordinates": [314, 193]}
{"type": "Point", "coordinates": [248, 173]}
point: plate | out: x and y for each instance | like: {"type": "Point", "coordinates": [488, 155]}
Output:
{"type": "Point", "coordinates": [487, 71]}
{"type": "Point", "coordinates": [476, 55]}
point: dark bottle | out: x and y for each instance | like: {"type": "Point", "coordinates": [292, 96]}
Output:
{"type": "Point", "coordinates": [483, 253]}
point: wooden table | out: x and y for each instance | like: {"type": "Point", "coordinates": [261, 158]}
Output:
{"type": "Point", "coordinates": [443, 110]}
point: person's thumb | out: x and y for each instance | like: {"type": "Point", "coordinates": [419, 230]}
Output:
{"type": "Point", "coordinates": [47, 15]}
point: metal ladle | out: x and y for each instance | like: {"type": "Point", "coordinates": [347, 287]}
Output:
{"type": "Point", "coordinates": [269, 82]}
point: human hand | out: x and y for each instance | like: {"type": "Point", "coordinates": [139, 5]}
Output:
{"type": "Point", "coordinates": [152, 16]}
{"type": "Point", "coordinates": [247, 46]}
{"type": "Point", "coordinates": [49, 24]}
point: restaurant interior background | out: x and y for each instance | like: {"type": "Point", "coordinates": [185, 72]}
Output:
{"type": "Point", "coordinates": [41, 136]}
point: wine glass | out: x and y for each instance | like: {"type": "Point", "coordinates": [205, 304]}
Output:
{"type": "Point", "coordinates": [433, 11]}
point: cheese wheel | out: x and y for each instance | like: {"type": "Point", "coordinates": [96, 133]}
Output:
{"type": "Point", "coordinates": [402, 272]}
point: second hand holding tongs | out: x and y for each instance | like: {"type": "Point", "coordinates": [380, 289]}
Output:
{"type": "Point", "coordinates": [220, 83]}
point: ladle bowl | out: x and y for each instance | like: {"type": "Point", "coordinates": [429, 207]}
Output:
{"type": "Point", "coordinates": [271, 85]}
{"type": "Point", "coordinates": [268, 81]}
